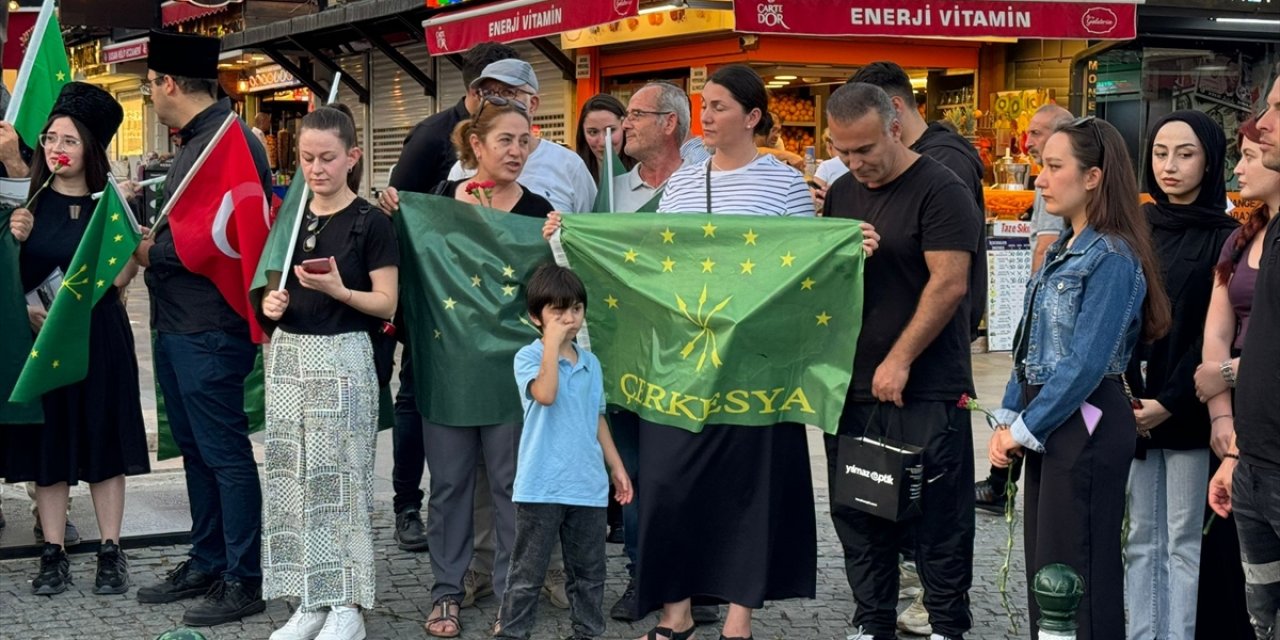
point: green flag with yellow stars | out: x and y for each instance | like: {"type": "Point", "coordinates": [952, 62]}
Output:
{"type": "Point", "coordinates": [462, 275]}
{"type": "Point", "coordinates": [16, 345]}
{"type": "Point", "coordinates": [720, 319]}
{"type": "Point", "coordinates": [60, 355]}
{"type": "Point", "coordinates": [40, 78]}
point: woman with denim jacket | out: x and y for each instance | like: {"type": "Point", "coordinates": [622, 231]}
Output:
{"type": "Point", "coordinates": [1167, 480]}
{"type": "Point", "coordinates": [1065, 408]}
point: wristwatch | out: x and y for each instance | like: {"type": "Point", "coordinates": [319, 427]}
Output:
{"type": "Point", "coordinates": [1228, 374]}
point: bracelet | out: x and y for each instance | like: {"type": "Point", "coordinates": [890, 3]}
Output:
{"type": "Point", "coordinates": [1228, 374]}
{"type": "Point", "coordinates": [1233, 456]}
{"type": "Point", "coordinates": [1217, 418]}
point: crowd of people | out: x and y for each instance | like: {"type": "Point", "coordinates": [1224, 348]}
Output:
{"type": "Point", "coordinates": [1137, 393]}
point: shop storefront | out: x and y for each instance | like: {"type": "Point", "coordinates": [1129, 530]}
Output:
{"type": "Point", "coordinates": [274, 91]}
{"type": "Point", "coordinates": [1215, 56]}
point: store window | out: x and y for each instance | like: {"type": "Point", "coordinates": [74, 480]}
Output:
{"type": "Point", "coordinates": [1136, 86]}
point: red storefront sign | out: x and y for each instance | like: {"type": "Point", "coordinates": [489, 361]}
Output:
{"type": "Point", "coordinates": [125, 51]}
{"type": "Point", "coordinates": [517, 20]}
{"type": "Point", "coordinates": [179, 11]}
{"type": "Point", "coordinates": [1068, 19]}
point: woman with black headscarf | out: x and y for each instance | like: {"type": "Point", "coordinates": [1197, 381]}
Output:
{"type": "Point", "coordinates": [1167, 480]}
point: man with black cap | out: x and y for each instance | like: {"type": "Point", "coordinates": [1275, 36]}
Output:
{"type": "Point", "coordinates": [424, 163]}
{"type": "Point", "coordinates": [203, 353]}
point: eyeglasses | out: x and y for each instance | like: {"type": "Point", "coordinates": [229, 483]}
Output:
{"type": "Point", "coordinates": [510, 93]}
{"type": "Point", "coordinates": [1097, 133]}
{"type": "Point", "coordinates": [636, 114]}
{"type": "Point", "coordinates": [52, 140]}
{"type": "Point", "coordinates": [146, 86]}
{"type": "Point", "coordinates": [499, 101]}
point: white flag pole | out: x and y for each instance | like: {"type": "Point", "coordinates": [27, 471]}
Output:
{"type": "Point", "coordinates": [608, 164]}
{"type": "Point", "coordinates": [182, 186]}
{"type": "Point", "coordinates": [302, 203]}
{"type": "Point", "coordinates": [29, 60]}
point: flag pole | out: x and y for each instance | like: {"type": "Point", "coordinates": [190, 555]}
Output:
{"type": "Point", "coordinates": [29, 60]}
{"type": "Point", "coordinates": [608, 162]}
{"type": "Point", "coordinates": [182, 186]}
{"type": "Point", "coordinates": [302, 203]}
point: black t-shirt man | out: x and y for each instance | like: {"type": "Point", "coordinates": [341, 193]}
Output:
{"type": "Point", "coordinates": [926, 208]}
{"type": "Point", "coordinates": [428, 152]}
{"type": "Point", "coordinates": [1257, 405]}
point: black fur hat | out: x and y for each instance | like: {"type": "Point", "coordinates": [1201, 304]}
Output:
{"type": "Point", "coordinates": [183, 54]}
{"type": "Point", "coordinates": [92, 107]}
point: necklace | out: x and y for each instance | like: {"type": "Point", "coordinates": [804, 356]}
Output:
{"type": "Point", "coordinates": [314, 227]}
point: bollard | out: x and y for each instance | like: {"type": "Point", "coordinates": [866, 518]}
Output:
{"type": "Point", "coordinates": [1057, 589]}
{"type": "Point", "coordinates": [181, 634]}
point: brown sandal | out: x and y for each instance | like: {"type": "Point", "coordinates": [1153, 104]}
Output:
{"type": "Point", "coordinates": [447, 605]}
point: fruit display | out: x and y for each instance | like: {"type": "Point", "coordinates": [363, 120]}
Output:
{"type": "Point", "coordinates": [792, 108]}
{"type": "Point", "coordinates": [1007, 204]}
{"type": "Point", "coordinates": [795, 139]}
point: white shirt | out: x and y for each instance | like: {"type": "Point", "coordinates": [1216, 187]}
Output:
{"type": "Point", "coordinates": [765, 187]}
{"type": "Point", "coordinates": [554, 173]}
{"type": "Point", "coordinates": [831, 169]}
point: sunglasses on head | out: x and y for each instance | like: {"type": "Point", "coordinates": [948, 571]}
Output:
{"type": "Point", "coordinates": [499, 101]}
{"type": "Point", "coordinates": [1097, 132]}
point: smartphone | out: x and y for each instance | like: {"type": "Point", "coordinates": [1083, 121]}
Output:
{"type": "Point", "coordinates": [317, 266]}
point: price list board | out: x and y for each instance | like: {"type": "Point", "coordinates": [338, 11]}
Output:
{"type": "Point", "coordinates": [1008, 269]}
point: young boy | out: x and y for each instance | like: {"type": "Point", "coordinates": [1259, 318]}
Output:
{"type": "Point", "coordinates": [561, 489]}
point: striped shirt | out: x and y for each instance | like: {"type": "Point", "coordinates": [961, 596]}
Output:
{"type": "Point", "coordinates": [765, 187]}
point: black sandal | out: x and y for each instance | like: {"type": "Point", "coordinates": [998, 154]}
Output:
{"type": "Point", "coordinates": [657, 633]}
{"type": "Point", "coordinates": [447, 605]}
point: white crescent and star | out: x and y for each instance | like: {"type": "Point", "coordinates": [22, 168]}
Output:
{"type": "Point", "coordinates": [219, 229]}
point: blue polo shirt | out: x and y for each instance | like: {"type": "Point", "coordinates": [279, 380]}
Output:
{"type": "Point", "coordinates": [560, 460]}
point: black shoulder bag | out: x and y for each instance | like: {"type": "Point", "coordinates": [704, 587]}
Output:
{"type": "Point", "coordinates": [382, 338]}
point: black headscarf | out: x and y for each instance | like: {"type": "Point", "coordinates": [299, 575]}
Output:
{"type": "Point", "coordinates": [1209, 208]}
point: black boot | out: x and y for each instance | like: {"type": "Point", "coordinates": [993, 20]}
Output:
{"type": "Point", "coordinates": [55, 571]}
{"type": "Point", "coordinates": [410, 534]}
{"type": "Point", "coordinates": [113, 570]}
{"type": "Point", "coordinates": [625, 608]}
{"type": "Point", "coordinates": [181, 583]}
{"type": "Point", "coordinates": [227, 601]}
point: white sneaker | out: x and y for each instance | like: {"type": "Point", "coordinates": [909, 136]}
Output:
{"type": "Point", "coordinates": [343, 623]}
{"type": "Point", "coordinates": [302, 625]}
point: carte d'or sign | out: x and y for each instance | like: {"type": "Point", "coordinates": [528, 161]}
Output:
{"type": "Point", "coordinates": [913, 18]}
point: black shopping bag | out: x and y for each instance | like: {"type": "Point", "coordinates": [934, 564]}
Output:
{"type": "Point", "coordinates": [879, 476]}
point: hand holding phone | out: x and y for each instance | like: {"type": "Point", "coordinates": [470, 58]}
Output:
{"type": "Point", "coordinates": [318, 266]}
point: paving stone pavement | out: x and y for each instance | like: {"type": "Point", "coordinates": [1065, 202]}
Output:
{"type": "Point", "coordinates": [404, 581]}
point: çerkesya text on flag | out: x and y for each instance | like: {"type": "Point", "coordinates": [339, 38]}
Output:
{"type": "Point", "coordinates": [60, 355]}
{"type": "Point", "coordinates": [720, 319]}
{"type": "Point", "coordinates": [220, 218]}
{"type": "Point", "coordinates": [464, 268]}
{"type": "Point", "coordinates": [44, 70]}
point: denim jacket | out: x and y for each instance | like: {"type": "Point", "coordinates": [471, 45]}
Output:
{"type": "Point", "coordinates": [1082, 317]}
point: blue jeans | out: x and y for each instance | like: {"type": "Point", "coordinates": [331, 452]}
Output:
{"type": "Point", "coordinates": [202, 377]}
{"type": "Point", "coordinates": [580, 531]}
{"type": "Point", "coordinates": [1162, 556]}
{"type": "Point", "coordinates": [625, 427]}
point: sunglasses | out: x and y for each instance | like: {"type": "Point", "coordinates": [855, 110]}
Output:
{"type": "Point", "coordinates": [313, 229]}
{"type": "Point", "coordinates": [1097, 133]}
{"type": "Point", "coordinates": [499, 101]}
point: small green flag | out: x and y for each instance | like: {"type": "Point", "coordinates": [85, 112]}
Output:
{"type": "Point", "coordinates": [44, 70]}
{"type": "Point", "coordinates": [720, 319]}
{"type": "Point", "coordinates": [280, 242]}
{"type": "Point", "coordinates": [610, 167]}
{"type": "Point", "coordinates": [462, 271]}
{"type": "Point", "coordinates": [16, 346]}
{"type": "Point", "coordinates": [60, 355]}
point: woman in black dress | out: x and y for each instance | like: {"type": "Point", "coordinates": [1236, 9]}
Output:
{"type": "Point", "coordinates": [93, 429]}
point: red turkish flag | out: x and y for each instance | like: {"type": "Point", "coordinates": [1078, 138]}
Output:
{"type": "Point", "coordinates": [220, 219]}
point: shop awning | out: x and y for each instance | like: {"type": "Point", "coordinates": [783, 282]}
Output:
{"type": "Point", "coordinates": [516, 20]}
{"type": "Point", "coordinates": [179, 11]}
{"type": "Point", "coordinates": [1034, 19]}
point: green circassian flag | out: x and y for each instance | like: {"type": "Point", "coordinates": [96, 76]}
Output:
{"type": "Point", "coordinates": [720, 319]}
{"type": "Point", "coordinates": [60, 355]}
{"type": "Point", "coordinates": [281, 239]}
{"type": "Point", "coordinates": [16, 347]}
{"type": "Point", "coordinates": [462, 274]}
{"type": "Point", "coordinates": [40, 78]}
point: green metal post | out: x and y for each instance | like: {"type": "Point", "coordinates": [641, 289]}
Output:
{"type": "Point", "coordinates": [1057, 589]}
